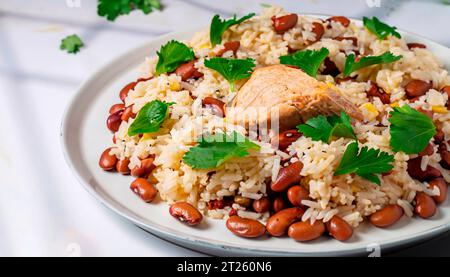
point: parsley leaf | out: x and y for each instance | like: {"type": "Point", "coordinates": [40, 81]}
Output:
{"type": "Point", "coordinates": [308, 60]}
{"type": "Point", "coordinates": [213, 150]}
{"type": "Point", "coordinates": [111, 9]}
{"type": "Point", "coordinates": [324, 128]}
{"type": "Point", "coordinates": [149, 118]}
{"type": "Point", "coordinates": [380, 29]}
{"type": "Point", "coordinates": [410, 130]}
{"type": "Point", "coordinates": [173, 54]}
{"type": "Point", "coordinates": [366, 163]}
{"type": "Point", "coordinates": [351, 65]}
{"type": "Point", "coordinates": [71, 44]}
{"type": "Point", "coordinates": [231, 69]}
{"type": "Point", "coordinates": [219, 26]}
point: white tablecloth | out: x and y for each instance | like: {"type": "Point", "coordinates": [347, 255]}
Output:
{"type": "Point", "coordinates": [43, 210]}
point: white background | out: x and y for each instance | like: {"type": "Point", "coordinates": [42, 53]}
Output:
{"type": "Point", "coordinates": [43, 210]}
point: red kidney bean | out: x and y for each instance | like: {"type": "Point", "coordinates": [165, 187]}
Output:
{"type": "Point", "coordinates": [416, 172]}
{"type": "Point", "coordinates": [217, 105]}
{"type": "Point", "coordinates": [232, 212]}
{"type": "Point", "coordinates": [442, 186]}
{"type": "Point", "coordinates": [376, 91]}
{"type": "Point", "coordinates": [278, 223]}
{"type": "Point", "coordinates": [446, 89]}
{"type": "Point", "coordinates": [114, 120]}
{"type": "Point", "coordinates": [261, 205]}
{"type": "Point", "coordinates": [144, 189]}
{"type": "Point", "coordinates": [126, 89]}
{"type": "Point", "coordinates": [341, 19]}
{"type": "Point", "coordinates": [296, 194]}
{"type": "Point", "coordinates": [284, 139]}
{"type": "Point", "coordinates": [244, 227]}
{"type": "Point", "coordinates": [144, 169]}
{"type": "Point", "coordinates": [330, 68]}
{"type": "Point", "coordinates": [439, 137]}
{"type": "Point", "coordinates": [428, 151]}
{"type": "Point", "coordinates": [128, 113]}
{"type": "Point", "coordinates": [229, 46]}
{"type": "Point", "coordinates": [413, 45]}
{"type": "Point", "coordinates": [417, 88]}
{"type": "Point", "coordinates": [386, 216]}
{"type": "Point", "coordinates": [116, 107]}
{"type": "Point", "coordinates": [305, 231]}
{"type": "Point", "coordinates": [279, 204]}
{"type": "Point", "coordinates": [107, 161]}
{"type": "Point", "coordinates": [186, 213]}
{"type": "Point", "coordinates": [219, 203]}
{"type": "Point", "coordinates": [284, 23]}
{"type": "Point", "coordinates": [319, 30]}
{"type": "Point", "coordinates": [353, 39]}
{"type": "Point", "coordinates": [339, 228]}
{"type": "Point", "coordinates": [122, 166]}
{"type": "Point", "coordinates": [188, 71]}
{"type": "Point", "coordinates": [425, 205]}
{"type": "Point", "coordinates": [287, 176]}
{"type": "Point", "coordinates": [445, 159]}
{"type": "Point", "coordinates": [426, 112]}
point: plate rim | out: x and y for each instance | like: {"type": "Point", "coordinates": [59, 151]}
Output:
{"type": "Point", "coordinates": [180, 238]}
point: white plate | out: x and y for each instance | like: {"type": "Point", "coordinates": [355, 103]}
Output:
{"type": "Point", "coordinates": [84, 136]}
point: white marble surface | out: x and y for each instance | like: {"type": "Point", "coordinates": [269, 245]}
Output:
{"type": "Point", "coordinates": [43, 210]}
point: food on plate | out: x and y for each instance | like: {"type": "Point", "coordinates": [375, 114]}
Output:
{"type": "Point", "coordinates": [283, 124]}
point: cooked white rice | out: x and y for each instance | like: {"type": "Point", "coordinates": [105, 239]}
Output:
{"type": "Point", "coordinates": [351, 197]}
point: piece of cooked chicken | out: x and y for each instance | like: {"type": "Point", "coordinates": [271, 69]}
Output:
{"type": "Point", "coordinates": [288, 95]}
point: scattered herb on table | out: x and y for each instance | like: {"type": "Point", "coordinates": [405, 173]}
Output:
{"type": "Point", "coordinates": [149, 118]}
{"type": "Point", "coordinates": [232, 69]}
{"type": "Point", "coordinates": [111, 9]}
{"type": "Point", "coordinates": [324, 128]}
{"type": "Point", "coordinates": [351, 65]}
{"type": "Point", "coordinates": [410, 130]}
{"type": "Point", "coordinates": [307, 60]}
{"type": "Point", "coordinates": [365, 163]}
{"type": "Point", "coordinates": [173, 54]}
{"type": "Point", "coordinates": [72, 44]}
{"type": "Point", "coordinates": [219, 26]}
{"type": "Point", "coordinates": [380, 29]}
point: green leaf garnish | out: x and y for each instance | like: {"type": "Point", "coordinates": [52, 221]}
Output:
{"type": "Point", "coordinates": [380, 29]}
{"type": "Point", "coordinates": [149, 118]}
{"type": "Point", "coordinates": [308, 60]}
{"type": "Point", "coordinates": [173, 54]}
{"type": "Point", "coordinates": [410, 130]}
{"type": "Point", "coordinates": [213, 150]}
{"type": "Point", "coordinates": [366, 163]}
{"type": "Point", "coordinates": [324, 128]}
{"type": "Point", "coordinates": [351, 65]}
{"type": "Point", "coordinates": [231, 69]}
{"type": "Point", "coordinates": [219, 26]}
{"type": "Point", "coordinates": [71, 44]}
{"type": "Point", "coordinates": [111, 9]}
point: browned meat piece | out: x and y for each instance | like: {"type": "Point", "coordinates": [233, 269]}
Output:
{"type": "Point", "coordinates": [288, 92]}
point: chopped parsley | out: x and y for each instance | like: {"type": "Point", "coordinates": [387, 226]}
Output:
{"type": "Point", "coordinates": [173, 54]}
{"type": "Point", "coordinates": [366, 164]}
{"type": "Point", "coordinates": [219, 26]}
{"type": "Point", "coordinates": [323, 128]}
{"type": "Point", "coordinates": [351, 65]}
{"type": "Point", "coordinates": [410, 130]}
{"type": "Point", "coordinates": [214, 150]}
{"type": "Point", "coordinates": [71, 44]}
{"type": "Point", "coordinates": [111, 9]}
{"type": "Point", "coordinates": [149, 118]}
{"type": "Point", "coordinates": [380, 29]}
{"type": "Point", "coordinates": [231, 69]}
{"type": "Point", "coordinates": [307, 60]}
